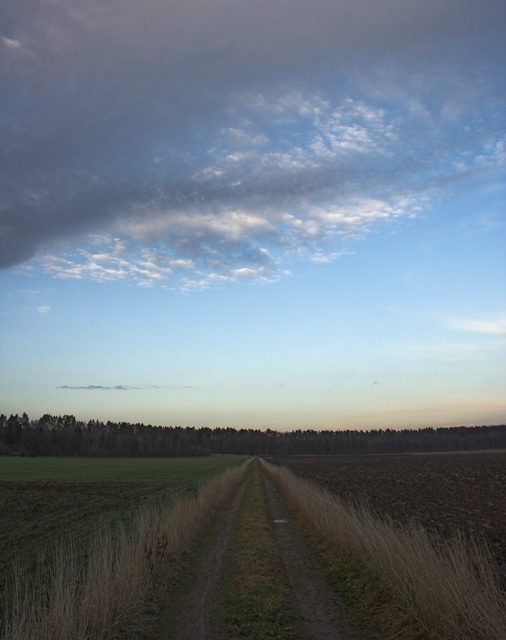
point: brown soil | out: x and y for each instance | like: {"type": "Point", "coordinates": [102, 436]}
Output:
{"type": "Point", "coordinates": [444, 493]}
{"type": "Point", "coordinates": [319, 611]}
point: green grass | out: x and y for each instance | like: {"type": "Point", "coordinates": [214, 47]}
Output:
{"type": "Point", "coordinates": [43, 500]}
{"type": "Point", "coordinates": [14, 469]}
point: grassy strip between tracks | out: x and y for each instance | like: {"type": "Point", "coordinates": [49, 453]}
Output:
{"type": "Point", "coordinates": [256, 591]}
{"type": "Point", "coordinates": [412, 585]}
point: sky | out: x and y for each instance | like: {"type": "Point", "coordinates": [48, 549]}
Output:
{"type": "Point", "coordinates": [283, 214]}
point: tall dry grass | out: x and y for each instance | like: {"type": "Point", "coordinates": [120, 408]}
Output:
{"type": "Point", "coordinates": [107, 596]}
{"type": "Point", "coordinates": [448, 587]}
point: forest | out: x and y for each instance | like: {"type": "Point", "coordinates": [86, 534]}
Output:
{"type": "Point", "coordinates": [67, 436]}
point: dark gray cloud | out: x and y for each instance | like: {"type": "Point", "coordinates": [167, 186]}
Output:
{"type": "Point", "coordinates": [118, 387]}
{"type": "Point", "coordinates": [98, 387]}
{"type": "Point", "coordinates": [126, 118]}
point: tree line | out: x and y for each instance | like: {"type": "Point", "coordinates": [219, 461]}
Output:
{"type": "Point", "coordinates": [66, 436]}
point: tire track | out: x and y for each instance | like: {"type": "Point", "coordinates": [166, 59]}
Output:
{"type": "Point", "coordinates": [197, 607]}
{"type": "Point", "coordinates": [320, 612]}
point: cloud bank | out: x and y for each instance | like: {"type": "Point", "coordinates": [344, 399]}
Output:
{"type": "Point", "coordinates": [98, 387]}
{"type": "Point", "coordinates": [188, 144]}
{"type": "Point", "coordinates": [117, 387]}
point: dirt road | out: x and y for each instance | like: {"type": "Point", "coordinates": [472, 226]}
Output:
{"type": "Point", "coordinates": [316, 609]}
{"type": "Point", "coordinates": [320, 613]}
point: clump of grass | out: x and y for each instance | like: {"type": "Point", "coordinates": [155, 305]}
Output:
{"type": "Point", "coordinates": [256, 595]}
{"type": "Point", "coordinates": [110, 594]}
{"type": "Point", "coordinates": [447, 590]}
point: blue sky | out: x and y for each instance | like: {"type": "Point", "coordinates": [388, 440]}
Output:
{"type": "Point", "coordinates": [273, 215]}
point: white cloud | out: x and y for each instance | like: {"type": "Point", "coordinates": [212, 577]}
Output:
{"type": "Point", "coordinates": [151, 267]}
{"type": "Point", "coordinates": [204, 282]}
{"type": "Point", "coordinates": [103, 267]}
{"type": "Point", "coordinates": [43, 309]}
{"type": "Point", "coordinates": [195, 250]}
{"type": "Point", "coordinates": [11, 44]}
{"type": "Point", "coordinates": [16, 48]}
{"type": "Point", "coordinates": [284, 177]}
{"type": "Point", "coordinates": [230, 225]}
{"type": "Point", "coordinates": [354, 127]}
{"type": "Point", "coordinates": [495, 326]}
{"type": "Point", "coordinates": [254, 276]}
{"type": "Point", "coordinates": [196, 115]}
{"type": "Point", "coordinates": [324, 258]}
{"type": "Point", "coordinates": [245, 138]}
{"type": "Point", "coordinates": [439, 351]}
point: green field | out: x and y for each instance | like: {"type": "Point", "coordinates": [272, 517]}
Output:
{"type": "Point", "coordinates": [44, 500]}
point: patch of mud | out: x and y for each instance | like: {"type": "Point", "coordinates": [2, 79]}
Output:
{"type": "Point", "coordinates": [196, 608]}
{"type": "Point", "coordinates": [320, 612]}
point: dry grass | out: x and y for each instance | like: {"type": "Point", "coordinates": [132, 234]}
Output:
{"type": "Point", "coordinates": [447, 588]}
{"type": "Point", "coordinates": [110, 596]}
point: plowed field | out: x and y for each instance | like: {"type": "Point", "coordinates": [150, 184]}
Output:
{"type": "Point", "coordinates": [443, 492]}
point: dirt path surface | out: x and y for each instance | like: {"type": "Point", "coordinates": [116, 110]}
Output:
{"type": "Point", "coordinates": [197, 608]}
{"type": "Point", "coordinates": [318, 610]}
{"type": "Point", "coordinates": [320, 613]}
